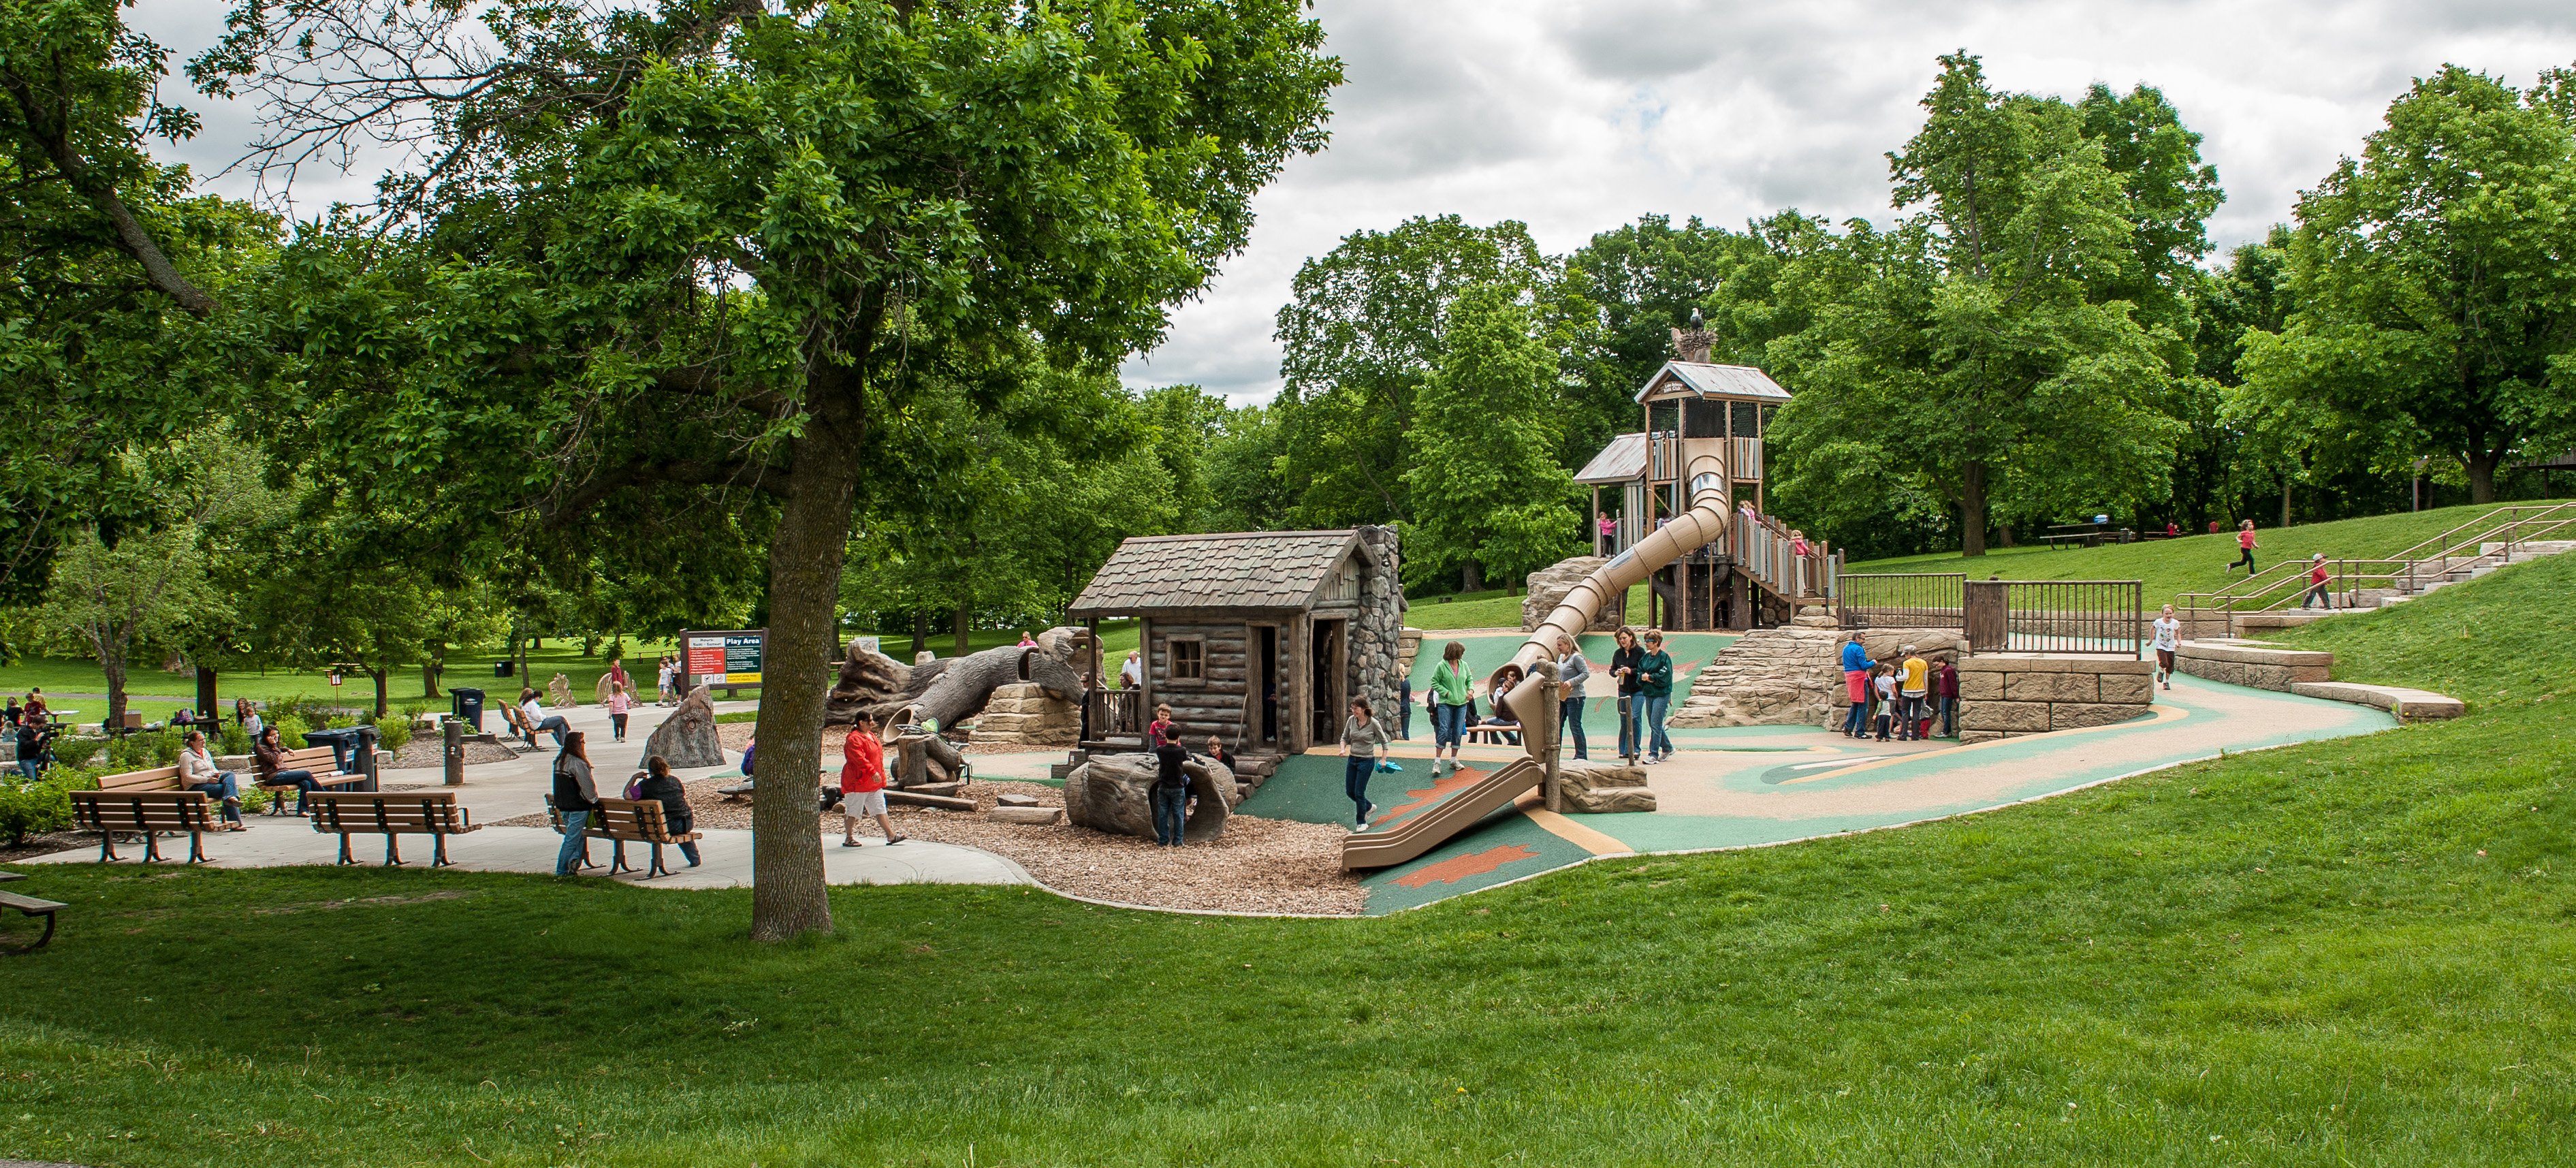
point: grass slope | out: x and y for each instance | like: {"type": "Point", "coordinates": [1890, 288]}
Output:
{"type": "Point", "coordinates": [2195, 563]}
{"type": "Point", "coordinates": [2351, 952]}
{"type": "Point", "coordinates": [2505, 638]}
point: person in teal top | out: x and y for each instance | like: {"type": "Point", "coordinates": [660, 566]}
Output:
{"type": "Point", "coordinates": [1655, 694]}
{"type": "Point", "coordinates": [1450, 693]}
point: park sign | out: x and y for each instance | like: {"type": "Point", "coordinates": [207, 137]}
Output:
{"type": "Point", "coordinates": [728, 657]}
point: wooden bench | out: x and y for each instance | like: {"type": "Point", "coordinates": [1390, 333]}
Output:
{"type": "Point", "coordinates": [29, 906]}
{"type": "Point", "coordinates": [147, 803]}
{"type": "Point", "coordinates": [391, 814]}
{"type": "Point", "coordinates": [1489, 734]}
{"type": "Point", "coordinates": [620, 822]}
{"type": "Point", "coordinates": [327, 773]}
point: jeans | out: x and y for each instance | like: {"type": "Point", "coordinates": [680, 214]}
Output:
{"type": "Point", "coordinates": [301, 780]}
{"type": "Point", "coordinates": [227, 789]}
{"type": "Point", "coordinates": [31, 768]}
{"type": "Point", "coordinates": [690, 851]}
{"type": "Point", "coordinates": [1448, 725]}
{"type": "Point", "coordinates": [1627, 725]}
{"type": "Point", "coordinates": [1652, 710]}
{"type": "Point", "coordinates": [1949, 716]}
{"type": "Point", "coordinates": [568, 858]}
{"type": "Point", "coordinates": [1168, 805]}
{"type": "Point", "coordinates": [2320, 592]}
{"type": "Point", "coordinates": [555, 725]}
{"type": "Point", "coordinates": [617, 726]}
{"type": "Point", "coordinates": [1857, 722]}
{"type": "Point", "coordinates": [1404, 712]}
{"type": "Point", "coordinates": [1570, 715]}
{"type": "Point", "coordinates": [1355, 778]}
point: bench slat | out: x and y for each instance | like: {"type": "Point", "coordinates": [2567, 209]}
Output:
{"type": "Point", "coordinates": [30, 905]}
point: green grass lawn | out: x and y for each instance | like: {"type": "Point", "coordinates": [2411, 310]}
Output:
{"type": "Point", "coordinates": [2195, 563]}
{"type": "Point", "coordinates": [1487, 610]}
{"type": "Point", "coordinates": [150, 688]}
{"type": "Point", "coordinates": [2350, 952]}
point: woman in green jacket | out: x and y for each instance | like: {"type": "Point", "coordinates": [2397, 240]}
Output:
{"type": "Point", "coordinates": [1450, 693]}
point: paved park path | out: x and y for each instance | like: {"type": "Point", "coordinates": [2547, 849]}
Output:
{"type": "Point", "coordinates": [503, 790]}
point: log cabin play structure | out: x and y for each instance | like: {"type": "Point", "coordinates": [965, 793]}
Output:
{"type": "Point", "coordinates": [1257, 638]}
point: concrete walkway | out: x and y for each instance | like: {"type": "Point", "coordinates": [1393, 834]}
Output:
{"type": "Point", "coordinates": [496, 791]}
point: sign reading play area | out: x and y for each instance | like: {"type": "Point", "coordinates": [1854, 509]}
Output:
{"type": "Point", "coordinates": [722, 658]}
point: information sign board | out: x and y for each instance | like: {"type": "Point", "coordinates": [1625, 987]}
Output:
{"type": "Point", "coordinates": [722, 658]}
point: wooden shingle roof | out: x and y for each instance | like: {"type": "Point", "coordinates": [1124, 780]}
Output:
{"type": "Point", "coordinates": [1245, 569]}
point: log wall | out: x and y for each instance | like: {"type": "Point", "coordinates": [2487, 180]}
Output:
{"type": "Point", "coordinates": [1214, 703]}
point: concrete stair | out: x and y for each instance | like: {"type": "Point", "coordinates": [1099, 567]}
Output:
{"type": "Point", "coordinates": [2431, 576]}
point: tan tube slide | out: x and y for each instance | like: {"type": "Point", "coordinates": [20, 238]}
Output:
{"type": "Point", "coordinates": [1703, 523]}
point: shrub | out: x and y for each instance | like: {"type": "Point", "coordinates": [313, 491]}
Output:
{"type": "Point", "coordinates": [393, 731]}
{"type": "Point", "coordinates": [77, 752]}
{"type": "Point", "coordinates": [234, 739]}
{"type": "Point", "coordinates": [35, 808]}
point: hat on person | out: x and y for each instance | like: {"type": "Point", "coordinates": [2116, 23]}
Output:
{"type": "Point", "coordinates": [1908, 650]}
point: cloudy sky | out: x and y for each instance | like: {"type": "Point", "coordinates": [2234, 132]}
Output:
{"type": "Point", "coordinates": [1574, 116]}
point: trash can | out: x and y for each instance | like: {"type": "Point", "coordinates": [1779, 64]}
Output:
{"type": "Point", "coordinates": [466, 703]}
{"type": "Point", "coordinates": [504, 668]}
{"type": "Point", "coordinates": [353, 751]}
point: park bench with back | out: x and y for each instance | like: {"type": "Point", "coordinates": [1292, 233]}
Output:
{"type": "Point", "coordinates": [391, 814]}
{"type": "Point", "coordinates": [621, 822]}
{"type": "Point", "coordinates": [146, 803]}
{"type": "Point", "coordinates": [322, 761]}
{"type": "Point", "coordinates": [30, 907]}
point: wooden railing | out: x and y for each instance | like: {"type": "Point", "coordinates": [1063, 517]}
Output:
{"type": "Point", "coordinates": [1115, 713]}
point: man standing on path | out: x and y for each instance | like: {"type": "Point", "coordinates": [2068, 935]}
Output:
{"type": "Point", "coordinates": [1655, 693]}
{"type": "Point", "coordinates": [1571, 672]}
{"type": "Point", "coordinates": [1856, 687]}
{"type": "Point", "coordinates": [863, 782]}
{"type": "Point", "coordinates": [2168, 639]}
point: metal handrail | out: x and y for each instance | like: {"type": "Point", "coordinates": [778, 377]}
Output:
{"type": "Point", "coordinates": [2409, 565]}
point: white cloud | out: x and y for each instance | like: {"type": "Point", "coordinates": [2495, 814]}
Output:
{"type": "Point", "coordinates": [1576, 117]}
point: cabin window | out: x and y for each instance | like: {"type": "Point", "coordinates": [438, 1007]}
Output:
{"type": "Point", "coordinates": [1189, 659]}
{"type": "Point", "coordinates": [1703, 419]}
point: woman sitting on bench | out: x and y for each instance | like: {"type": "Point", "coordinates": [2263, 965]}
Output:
{"type": "Point", "coordinates": [1501, 722]}
{"type": "Point", "coordinates": [660, 785]}
{"type": "Point", "coordinates": [197, 773]}
{"type": "Point", "coordinates": [534, 717]}
{"type": "Point", "coordinates": [267, 756]}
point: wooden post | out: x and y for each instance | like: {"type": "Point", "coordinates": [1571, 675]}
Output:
{"type": "Point", "coordinates": [1550, 703]}
{"type": "Point", "coordinates": [1144, 676]}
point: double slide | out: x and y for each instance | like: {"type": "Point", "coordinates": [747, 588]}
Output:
{"type": "Point", "coordinates": [1443, 814]}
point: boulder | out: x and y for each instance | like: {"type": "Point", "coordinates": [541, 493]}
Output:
{"type": "Point", "coordinates": [1588, 775]}
{"type": "Point", "coordinates": [1112, 793]}
{"type": "Point", "coordinates": [688, 737]}
{"type": "Point", "coordinates": [559, 692]}
{"type": "Point", "coordinates": [1548, 586]}
{"type": "Point", "coordinates": [1609, 800]}
{"type": "Point", "coordinates": [1016, 800]}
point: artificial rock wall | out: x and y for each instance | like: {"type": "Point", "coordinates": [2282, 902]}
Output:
{"type": "Point", "coordinates": [2005, 696]}
{"type": "Point", "coordinates": [1024, 714]}
{"type": "Point", "coordinates": [1377, 637]}
{"type": "Point", "coordinates": [1548, 587]}
{"type": "Point", "coordinates": [1792, 676]}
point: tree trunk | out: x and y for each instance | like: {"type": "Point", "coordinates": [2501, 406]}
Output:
{"type": "Point", "coordinates": [2481, 469]}
{"type": "Point", "coordinates": [1471, 577]}
{"type": "Point", "coordinates": [380, 675]}
{"type": "Point", "coordinates": [1972, 510]}
{"type": "Point", "coordinates": [920, 634]}
{"type": "Point", "coordinates": [962, 644]}
{"type": "Point", "coordinates": [2285, 500]}
{"type": "Point", "coordinates": [111, 661]}
{"type": "Point", "coordinates": [805, 555]}
{"type": "Point", "coordinates": [429, 671]}
{"type": "Point", "coordinates": [206, 699]}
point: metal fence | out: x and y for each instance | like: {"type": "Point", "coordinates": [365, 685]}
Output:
{"type": "Point", "coordinates": [1902, 600]}
{"type": "Point", "coordinates": [2002, 616]}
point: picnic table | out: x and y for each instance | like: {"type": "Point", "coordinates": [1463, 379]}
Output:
{"type": "Point", "coordinates": [2062, 535]}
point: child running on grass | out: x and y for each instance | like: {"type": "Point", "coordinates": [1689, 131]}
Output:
{"type": "Point", "coordinates": [2245, 545]}
{"type": "Point", "coordinates": [863, 781]}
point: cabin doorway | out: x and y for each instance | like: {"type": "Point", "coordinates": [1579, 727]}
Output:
{"type": "Point", "coordinates": [1265, 684]}
{"type": "Point", "coordinates": [1325, 660]}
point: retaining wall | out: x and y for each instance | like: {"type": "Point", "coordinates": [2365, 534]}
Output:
{"type": "Point", "coordinates": [2004, 696]}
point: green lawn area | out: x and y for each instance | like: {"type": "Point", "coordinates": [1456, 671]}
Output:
{"type": "Point", "coordinates": [2351, 952]}
{"type": "Point", "coordinates": [1487, 610]}
{"type": "Point", "coordinates": [2194, 563]}
{"type": "Point", "coordinates": [150, 688]}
